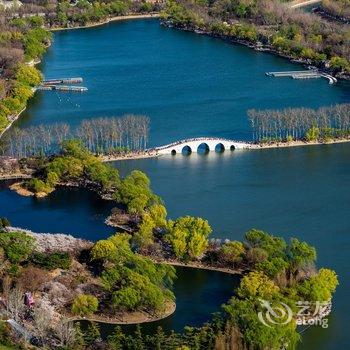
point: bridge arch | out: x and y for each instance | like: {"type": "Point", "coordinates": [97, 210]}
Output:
{"type": "Point", "coordinates": [220, 147]}
{"type": "Point", "coordinates": [232, 147]}
{"type": "Point", "coordinates": [186, 150]}
{"type": "Point", "coordinates": [203, 148]}
{"type": "Point", "coordinates": [173, 152]}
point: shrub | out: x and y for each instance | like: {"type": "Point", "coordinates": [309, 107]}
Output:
{"type": "Point", "coordinates": [37, 186]}
{"type": "Point", "coordinates": [232, 252]}
{"type": "Point", "coordinates": [4, 222]}
{"type": "Point", "coordinates": [32, 278]}
{"type": "Point", "coordinates": [85, 304]}
{"type": "Point", "coordinates": [17, 246]}
{"type": "Point", "coordinates": [312, 134]}
{"type": "Point", "coordinates": [51, 261]}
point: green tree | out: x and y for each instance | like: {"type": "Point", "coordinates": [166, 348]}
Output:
{"type": "Point", "coordinates": [84, 305]}
{"type": "Point", "coordinates": [126, 299]}
{"type": "Point", "coordinates": [144, 237]}
{"type": "Point", "coordinates": [319, 287]}
{"type": "Point", "coordinates": [158, 214]}
{"type": "Point", "coordinates": [116, 340]}
{"type": "Point", "coordinates": [17, 246]}
{"type": "Point", "coordinates": [188, 236]}
{"type": "Point", "coordinates": [79, 342]}
{"type": "Point", "coordinates": [257, 285]}
{"type": "Point", "coordinates": [300, 253]}
{"type": "Point", "coordinates": [28, 75]}
{"type": "Point", "coordinates": [92, 333]}
{"type": "Point", "coordinates": [274, 246]}
{"type": "Point", "coordinates": [103, 250]}
{"type": "Point", "coordinates": [159, 340]}
{"type": "Point", "coordinates": [135, 192]}
{"type": "Point", "coordinates": [4, 222]}
{"type": "Point", "coordinates": [312, 134]}
{"type": "Point", "coordinates": [232, 252]}
{"type": "Point", "coordinates": [197, 245]}
{"type": "Point", "coordinates": [244, 315]}
{"type": "Point", "coordinates": [339, 63]}
{"type": "Point", "coordinates": [273, 267]}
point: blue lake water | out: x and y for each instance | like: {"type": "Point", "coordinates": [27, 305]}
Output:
{"type": "Point", "coordinates": [192, 85]}
{"type": "Point", "coordinates": [189, 85]}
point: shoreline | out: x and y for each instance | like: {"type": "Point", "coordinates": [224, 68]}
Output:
{"type": "Point", "coordinates": [91, 25]}
{"type": "Point", "coordinates": [131, 318]}
{"type": "Point", "coordinates": [296, 143]}
{"type": "Point", "coordinates": [13, 120]}
{"type": "Point", "coordinates": [302, 3]}
{"type": "Point", "coordinates": [154, 154]}
{"type": "Point", "coordinates": [324, 13]}
{"type": "Point", "coordinates": [129, 156]}
{"type": "Point", "coordinates": [108, 20]}
{"type": "Point", "coordinates": [17, 176]}
{"type": "Point", "coordinates": [255, 46]}
{"type": "Point", "coordinates": [198, 266]}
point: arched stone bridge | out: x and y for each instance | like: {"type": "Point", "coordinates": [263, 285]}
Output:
{"type": "Point", "coordinates": [192, 145]}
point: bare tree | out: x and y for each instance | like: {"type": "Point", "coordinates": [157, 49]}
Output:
{"type": "Point", "coordinates": [43, 316]}
{"type": "Point", "coordinates": [15, 304]}
{"type": "Point", "coordinates": [65, 332]}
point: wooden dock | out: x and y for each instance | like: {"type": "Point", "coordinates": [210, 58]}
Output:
{"type": "Point", "coordinates": [63, 81]}
{"type": "Point", "coordinates": [303, 74]}
{"type": "Point", "coordinates": [61, 85]}
{"type": "Point", "coordinates": [62, 88]}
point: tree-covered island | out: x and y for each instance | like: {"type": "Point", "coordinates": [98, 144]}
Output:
{"type": "Point", "coordinates": [128, 277]}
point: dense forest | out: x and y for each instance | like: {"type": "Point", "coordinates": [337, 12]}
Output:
{"type": "Point", "coordinates": [100, 135]}
{"type": "Point", "coordinates": [322, 124]}
{"type": "Point", "coordinates": [22, 41]}
{"type": "Point", "coordinates": [270, 24]}
{"type": "Point", "coordinates": [65, 13]}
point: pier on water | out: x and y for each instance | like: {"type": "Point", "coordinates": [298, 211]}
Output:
{"type": "Point", "coordinates": [62, 84]}
{"type": "Point", "coordinates": [62, 88]}
{"type": "Point", "coordinates": [303, 74]}
{"type": "Point", "coordinates": [63, 81]}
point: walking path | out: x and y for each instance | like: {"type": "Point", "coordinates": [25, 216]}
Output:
{"type": "Point", "coordinates": [301, 3]}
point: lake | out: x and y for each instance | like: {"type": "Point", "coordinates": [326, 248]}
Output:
{"type": "Point", "coordinates": [191, 85]}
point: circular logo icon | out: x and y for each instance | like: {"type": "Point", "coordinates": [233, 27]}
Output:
{"type": "Point", "coordinates": [279, 314]}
